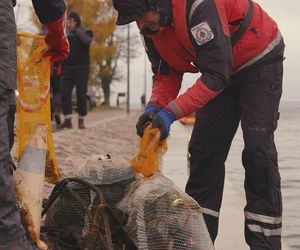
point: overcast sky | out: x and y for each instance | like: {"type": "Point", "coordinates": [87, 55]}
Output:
{"type": "Point", "coordinates": [287, 15]}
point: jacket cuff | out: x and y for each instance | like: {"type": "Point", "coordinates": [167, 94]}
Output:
{"type": "Point", "coordinates": [169, 114]}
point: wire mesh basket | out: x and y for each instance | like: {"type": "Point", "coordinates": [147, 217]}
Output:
{"type": "Point", "coordinates": [111, 208]}
{"type": "Point", "coordinates": [162, 217]}
{"type": "Point", "coordinates": [80, 212]}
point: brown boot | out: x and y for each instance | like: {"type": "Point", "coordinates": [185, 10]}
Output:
{"type": "Point", "coordinates": [66, 124]}
{"type": "Point", "coordinates": [81, 123]}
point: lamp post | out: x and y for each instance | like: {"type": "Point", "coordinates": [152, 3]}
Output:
{"type": "Point", "coordinates": [128, 69]}
{"type": "Point", "coordinates": [145, 76]}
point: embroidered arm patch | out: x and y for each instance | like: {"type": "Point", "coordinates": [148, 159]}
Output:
{"type": "Point", "coordinates": [202, 33]}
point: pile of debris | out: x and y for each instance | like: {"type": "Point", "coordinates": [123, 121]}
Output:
{"type": "Point", "coordinates": [106, 206]}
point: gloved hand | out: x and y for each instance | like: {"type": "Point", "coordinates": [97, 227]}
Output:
{"type": "Point", "coordinates": [57, 40]}
{"type": "Point", "coordinates": [163, 120]}
{"type": "Point", "coordinates": [145, 118]}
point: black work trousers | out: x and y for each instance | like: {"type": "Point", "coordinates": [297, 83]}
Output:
{"type": "Point", "coordinates": [10, 221]}
{"type": "Point", "coordinates": [74, 76]}
{"type": "Point", "coordinates": [252, 99]}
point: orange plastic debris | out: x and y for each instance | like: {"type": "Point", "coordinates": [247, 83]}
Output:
{"type": "Point", "coordinates": [151, 149]}
{"type": "Point", "coordinates": [188, 120]}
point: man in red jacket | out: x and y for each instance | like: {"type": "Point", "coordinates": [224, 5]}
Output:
{"type": "Point", "coordinates": [238, 49]}
{"type": "Point", "coordinates": [52, 14]}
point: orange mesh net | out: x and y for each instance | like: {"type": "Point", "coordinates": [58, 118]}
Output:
{"type": "Point", "coordinates": [33, 100]}
{"type": "Point", "coordinates": [150, 151]}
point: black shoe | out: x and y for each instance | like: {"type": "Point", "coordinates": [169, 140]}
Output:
{"type": "Point", "coordinates": [57, 119]}
{"type": "Point", "coordinates": [66, 124]}
{"type": "Point", "coordinates": [81, 123]}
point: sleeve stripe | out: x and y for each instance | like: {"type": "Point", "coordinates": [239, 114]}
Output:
{"type": "Point", "coordinates": [193, 8]}
{"type": "Point", "coordinates": [174, 109]}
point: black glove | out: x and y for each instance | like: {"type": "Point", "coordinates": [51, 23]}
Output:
{"type": "Point", "coordinates": [146, 117]}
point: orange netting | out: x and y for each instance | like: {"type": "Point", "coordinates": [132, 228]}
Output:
{"type": "Point", "coordinates": [33, 100]}
{"type": "Point", "coordinates": [150, 151]}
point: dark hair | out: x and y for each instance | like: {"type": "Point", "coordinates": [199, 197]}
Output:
{"type": "Point", "coordinates": [75, 16]}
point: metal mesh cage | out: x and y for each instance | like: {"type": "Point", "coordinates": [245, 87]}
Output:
{"type": "Point", "coordinates": [103, 169]}
{"type": "Point", "coordinates": [109, 207]}
{"type": "Point", "coordinates": [160, 216]}
{"type": "Point", "coordinates": [80, 212]}
{"type": "Point", "coordinates": [110, 176]}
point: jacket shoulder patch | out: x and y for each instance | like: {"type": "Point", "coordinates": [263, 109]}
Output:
{"type": "Point", "coordinates": [202, 33]}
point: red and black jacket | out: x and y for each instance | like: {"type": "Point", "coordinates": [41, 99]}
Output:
{"type": "Point", "coordinates": [199, 40]}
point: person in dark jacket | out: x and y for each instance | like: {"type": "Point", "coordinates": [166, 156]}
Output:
{"type": "Point", "coordinates": [143, 101]}
{"type": "Point", "coordinates": [238, 49]}
{"type": "Point", "coordinates": [76, 71]}
{"type": "Point", "coordinates": [51, 14]}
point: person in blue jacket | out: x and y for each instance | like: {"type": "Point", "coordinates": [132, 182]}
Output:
{"type": "Point", "coordinates": [51, 14]}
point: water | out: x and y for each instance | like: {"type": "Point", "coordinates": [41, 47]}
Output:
{"type": "Point", "coordinates": [287, 137]}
